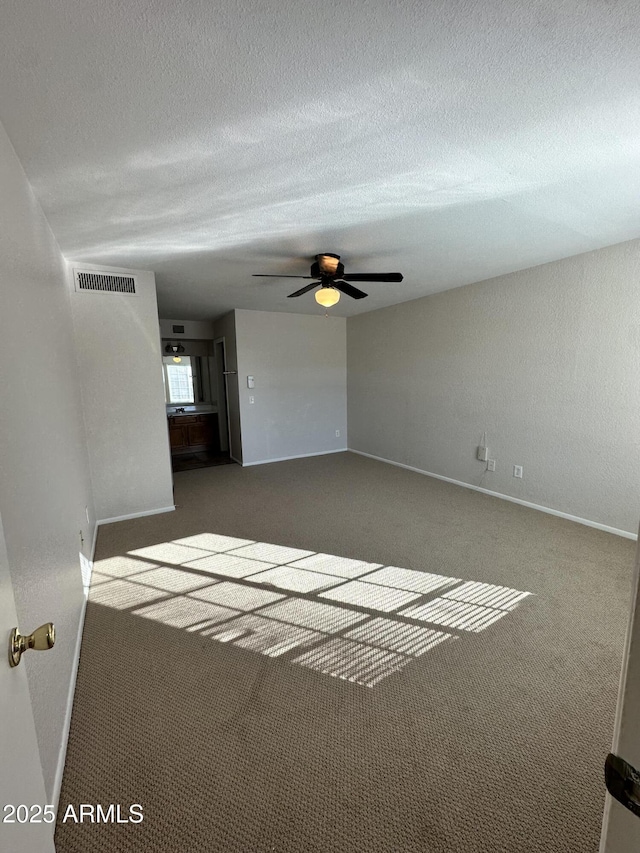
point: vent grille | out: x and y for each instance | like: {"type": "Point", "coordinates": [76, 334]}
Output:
{"type": "Point", "coordinates": [104, 282]}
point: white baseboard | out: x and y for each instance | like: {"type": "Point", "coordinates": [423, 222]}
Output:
{"type": "Point", "coordinates": [616, 531]}
{"type": "Point", "coordinates": [62, 754]}
{"type": "Point", "coordinates": [136, 515]}
{"type": "Point", "coordinates": [57, 782]}
{"type": "Point", "coordinates": [94, 542]}
{"type": "Point", "coordinates": [299, 456]}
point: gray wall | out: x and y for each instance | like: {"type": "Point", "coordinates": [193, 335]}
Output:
{"type": "Point", "coordinates": [299, 365]}
{"type": "Point", "coordinates": [120, 367]}
{"type": "Point", "coordinates": [44, 482]}
{"type": "Point", "coordinates": [193, 329]}
{"type": "Point", "coordinates": [546, 361]}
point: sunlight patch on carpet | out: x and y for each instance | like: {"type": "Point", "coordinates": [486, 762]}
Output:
{"type": "Point", "coordinates": [296, 580]}
{"type": "Point", "coordinates": [423, 582]}
{"type": "Point", "coordinates": [230, 565]}
{"type": "Point", "coordinates": [262, 635]}
{"type": "Point", "coordinates": [356, 662]}
{"type": "Point", "coordinates": [186, 613]}
{"type": "Point", "coordinates": [234, 595]}
{"type": "Point", "coordinates": [454, 614]}
{"type": "Point", "coordinates": [332, 565]}
{"type": "Point", "coordinates": [349, 619]}
{"type": "Point", "coordinates": [371, 596]}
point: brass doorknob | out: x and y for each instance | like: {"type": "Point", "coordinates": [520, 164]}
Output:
{"type": "Point", "coordinates": [42, 639]}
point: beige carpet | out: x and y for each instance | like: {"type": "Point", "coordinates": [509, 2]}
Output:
{"type": "Point", "coordinates": [333, 705]}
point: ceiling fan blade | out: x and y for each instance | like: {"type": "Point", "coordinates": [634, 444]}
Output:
{"type": "Point", "coordinates": [304, 289]}
{"type": "Point", "coordinates": [270, 275]}
{"type": "Point", "coordinates": [374, 276]}
{"type": "Point", "coordinates": [343, 287]}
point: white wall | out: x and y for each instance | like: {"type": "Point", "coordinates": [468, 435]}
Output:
{"type": "Point", "coordinates": [546, 360]}
{"type": "Point", "coordinates": [299, 365]}
{"type": "Point", "coordinates": [120, 369]}
{"type": "Point", "coordinates": [193, 329]}
{"type": "Point", "coordinates": [44, 482]}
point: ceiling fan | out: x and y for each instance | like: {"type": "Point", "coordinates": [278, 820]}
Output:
{"type": "Point", "coordinates": [328, 273]}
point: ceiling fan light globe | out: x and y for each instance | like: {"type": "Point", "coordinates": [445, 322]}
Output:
{"type": "Point", "coordinates": [327, 296]}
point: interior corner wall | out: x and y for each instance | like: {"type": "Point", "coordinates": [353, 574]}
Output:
{"type": "Point", "coordinates": [44, 483]}
{"type": "Point", "coordinates": [546, 361]}
{"type": "Point", "coordinates": [120, 368]}
{"type": "Point", "coordinates": [298, 363]}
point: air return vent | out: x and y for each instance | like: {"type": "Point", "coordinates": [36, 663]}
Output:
{"type": "Point", "coordinates": [105, 282]}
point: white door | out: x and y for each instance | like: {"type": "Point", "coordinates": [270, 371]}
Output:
{"type": "Point", "coordinates": [21, 782]}
{"type": "Point", "coordinates": [621, 828]}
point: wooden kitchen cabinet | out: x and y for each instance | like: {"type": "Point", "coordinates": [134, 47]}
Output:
{"type": "Point", "coordinates": [177, 437]}
{"type": "Point", "coordinates": [193, 433]}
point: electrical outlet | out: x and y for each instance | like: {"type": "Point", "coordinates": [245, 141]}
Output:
{"type": "Point", "coordinates": [252, 400]}
{"type": "Point", "coordinates": [491, 464]}
{"type": "Point", "coordinates": [517, 471]}
{"type": "Point", "coordinates": [337, 433]}
{"type": "Point", "coordinates": [483, 453]}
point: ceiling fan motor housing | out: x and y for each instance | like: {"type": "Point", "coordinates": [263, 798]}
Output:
{"type": "Point", "coordinates": [325, 266]}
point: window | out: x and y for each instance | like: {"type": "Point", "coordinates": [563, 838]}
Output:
{"type": "Point", "coordinates": [178, 380]}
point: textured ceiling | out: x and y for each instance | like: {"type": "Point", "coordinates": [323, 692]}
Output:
{"type": "Point", "coordinates": [451, 141]}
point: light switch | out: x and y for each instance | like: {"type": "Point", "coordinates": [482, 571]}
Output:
{"type": "Point", "coordinates": [250, 382]}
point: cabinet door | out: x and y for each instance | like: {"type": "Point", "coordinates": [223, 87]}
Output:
{"type": "Point", "coordinates": [177, 436]}
{"type": "Point", "coordinates": [197, 434]}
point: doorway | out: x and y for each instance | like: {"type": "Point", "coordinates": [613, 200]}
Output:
{"type": "Point", "coordinates": [196, 404]}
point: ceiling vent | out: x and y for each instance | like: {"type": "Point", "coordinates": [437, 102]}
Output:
{"type": "Point", "coordinates": [104, 282]}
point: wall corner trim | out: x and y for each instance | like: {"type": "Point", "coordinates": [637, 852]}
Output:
{"type": "Point", "coordinates": [616, 531]}
{"type": "Point", "coordinates": [135, 515]}
{"type": "Point", "coordinates": [62, 754]}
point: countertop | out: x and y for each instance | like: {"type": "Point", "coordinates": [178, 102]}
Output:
{"type": "Point", "coordinates": [191, 410]}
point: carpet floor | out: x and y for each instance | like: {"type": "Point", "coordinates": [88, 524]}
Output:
{"type": "Point", "coordinates": [202, 459]}
{"type": "Point", "coordinates": [331, 655]}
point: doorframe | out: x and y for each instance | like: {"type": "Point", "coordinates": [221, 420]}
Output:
{"type": "Point", "coordinates": [617, 822]}
{"type": "Point", "coordinates": [223, 391]}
